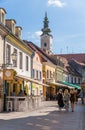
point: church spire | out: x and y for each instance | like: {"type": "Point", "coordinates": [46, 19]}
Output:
{"type": "Point", "coordinates": [46, 37]}
{"type": "Point", "coordinates": [46, 29]}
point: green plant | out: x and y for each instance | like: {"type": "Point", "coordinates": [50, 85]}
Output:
{"type": "Point", "coordinates": [15, 72]}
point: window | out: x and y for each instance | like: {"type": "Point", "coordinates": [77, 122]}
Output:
{"type": "Point", "coordinates": [20, 60]}
{"type": "Point", "coordinates": [47, 73]}
{"type": "Point", "coordinates": [79, 81]}
{"type": "Point", "coordinates": [27, 62]}
{"type": "Point", "coordinates": [33, 73]}
{"type": "Point", "coordinates": [36, 74]}
{"type": "Point", "coordinates": [8, 54]}
{"type": "Point", "coordinates": [15, 61]}
{"type": "Point", "coordinates": [53, 74]}
{"type": "Point", "coordinates": [40, 75]}
{"type": "Point", "coordinates": [50, 74]}
{"type": "Point", "coordinates": [75, 80]}
{"type": "Point", "coordinates": [71, 79]}
{"type": "Point", "coordinates": [45, 44]}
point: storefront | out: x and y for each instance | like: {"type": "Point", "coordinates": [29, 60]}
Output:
{"type": "Point", "coordinates": [53, 89]}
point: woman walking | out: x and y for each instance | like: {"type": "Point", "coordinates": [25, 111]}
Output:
{"type": "Point", "coordinates": [60, 99]}
{"type": "Point", "coordinates": [72, 99]}
{"type": "Point", "coordinates": [66, 98]}
{"type": "Point", "coordinates": [82, 96]}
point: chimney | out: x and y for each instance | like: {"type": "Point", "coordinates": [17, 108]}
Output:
{"type": "Point", "coordinates": [2, 16]}
{"type": "Point", "coordinates": [10, 24]}
{"type": "Point", "coordinates": [18, 30]}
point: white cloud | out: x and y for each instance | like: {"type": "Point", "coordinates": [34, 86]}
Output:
{"type": "Point", "coordinates": [38, 33]}
{"type": "Point", "coordinates": [34, 37]}
{"type": "Point", "coordinates": [57, 3]}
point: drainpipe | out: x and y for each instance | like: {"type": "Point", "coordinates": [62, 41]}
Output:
{"type": "Point", "coordinates": [32, 70]}
{"type": "Point", "coordinates": [4, 81]}
{"type": "Point", "coordinates": [4, 49]}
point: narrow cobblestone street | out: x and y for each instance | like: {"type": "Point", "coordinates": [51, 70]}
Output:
{"type": "Point", "coordinates": [46, 118]}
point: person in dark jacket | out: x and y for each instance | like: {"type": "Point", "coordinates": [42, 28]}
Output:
{"type": "Point", "coordinates": [72, 99]}
{"type": "Point", "coordinates": [60, 99]}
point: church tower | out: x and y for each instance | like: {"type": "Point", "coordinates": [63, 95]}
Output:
{"type": "Point", "coordinates": [46, 37]}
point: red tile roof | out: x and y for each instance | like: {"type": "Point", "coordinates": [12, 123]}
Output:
{"type": "Point", "coordinates": [78, 57]}
{"type": "Point", "coordinates": [33, 47]}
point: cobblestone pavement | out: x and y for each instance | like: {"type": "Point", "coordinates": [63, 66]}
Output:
{"type": "Point", "coordinates": [46, 118]}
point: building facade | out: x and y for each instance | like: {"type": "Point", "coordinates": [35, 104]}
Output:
{"type": "Point", "coordinates": [14, 72]}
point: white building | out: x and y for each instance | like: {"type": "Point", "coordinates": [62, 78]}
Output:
{"type": "Point", "coordinates": [12, 45]}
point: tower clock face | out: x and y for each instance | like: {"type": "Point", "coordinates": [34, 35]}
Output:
{"type": "Point", "coordinates": [8, 73]}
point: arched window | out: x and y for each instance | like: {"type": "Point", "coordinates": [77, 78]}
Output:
{"type": "Point", "coordinates": [45, 44]}
{"type": "Point", "coordinates": [71, 79]}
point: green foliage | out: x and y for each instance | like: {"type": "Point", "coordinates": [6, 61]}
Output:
{"type": "Point", "coordinates": [15, 73]}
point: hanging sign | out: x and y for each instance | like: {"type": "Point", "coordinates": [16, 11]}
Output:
{"type": "Point", "coordinates": [8, 74]}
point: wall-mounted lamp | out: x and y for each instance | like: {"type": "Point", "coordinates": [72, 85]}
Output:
{"type": "Point", "coordinates": [14, 56]}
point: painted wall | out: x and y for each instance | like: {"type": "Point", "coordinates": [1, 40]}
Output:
{"type": "Point", "coordinates": [59, 74]}
{"type": "Point", "coordinates": [37, 67]}
{"type": "Point", "coordinates": [1, 48]}
{"type": "Point", "coordinates": [22, 71]}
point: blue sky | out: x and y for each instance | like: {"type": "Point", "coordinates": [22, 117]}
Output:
{"type": "Point", "coordinates": [66, 21]}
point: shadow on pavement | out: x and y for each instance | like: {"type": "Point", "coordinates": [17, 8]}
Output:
{"type": "Point", "coordinates": [47, 119]}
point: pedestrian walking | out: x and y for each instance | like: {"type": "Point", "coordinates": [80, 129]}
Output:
{"type": "Point", "coordinates": [82, 96]}
{"type": "Point", "coordinates": [60, 99]}
{"type": "Point", "coordinates": [76, 95]}
{"type": "Point", "coordinates": [66, 98]}
{"type": "Point", "coordinates": [72, 99]}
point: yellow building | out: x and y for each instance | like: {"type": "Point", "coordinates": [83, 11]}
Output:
{"type": "Point", "coordinates": [49, 78]}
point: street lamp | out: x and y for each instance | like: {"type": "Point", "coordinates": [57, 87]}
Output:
{"type": "Point", "coordinates": [14, 57]}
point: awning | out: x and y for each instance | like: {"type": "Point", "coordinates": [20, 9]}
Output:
{"type": "Point", "coordinates": [31, 80]}
{"type": "Point", "coordinates": [57, 84]}
{"type": "Point", "coordinates": [70, 85]}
